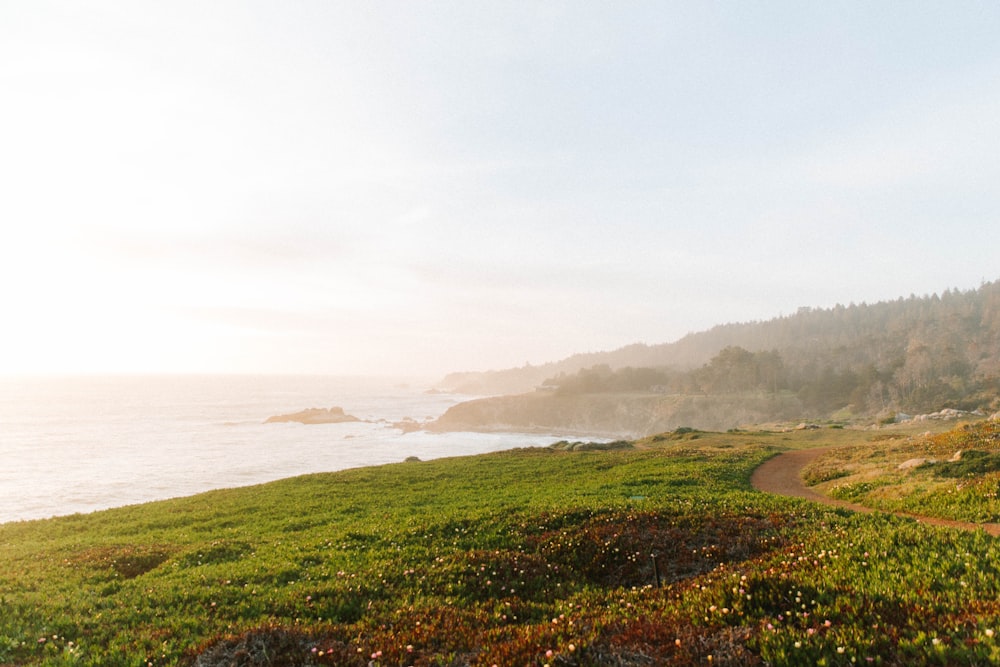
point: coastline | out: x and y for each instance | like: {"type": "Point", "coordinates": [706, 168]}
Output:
{"type": "Point", "coordinates": [535, 431]}
{"type": "Point", "coordinates": [133, 439]}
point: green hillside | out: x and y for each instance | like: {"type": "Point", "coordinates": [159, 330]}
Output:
{"type": "Point", "coordinates": [527, 557]}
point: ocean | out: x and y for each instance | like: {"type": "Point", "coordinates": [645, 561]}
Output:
{"type": "Point", "coordinates": [81, 444]}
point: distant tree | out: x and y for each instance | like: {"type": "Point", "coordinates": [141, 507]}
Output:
{"type": "Point", "coordinates": [770, 371]}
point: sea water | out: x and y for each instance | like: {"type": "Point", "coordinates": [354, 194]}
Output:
{"type": "Point", "coordinates": [80, 444]}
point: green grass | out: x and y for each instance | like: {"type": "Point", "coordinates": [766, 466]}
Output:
{"type": "Point", "coordinates": [527, 557]}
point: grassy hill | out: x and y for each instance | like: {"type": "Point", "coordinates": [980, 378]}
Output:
{"type": "Point", "coordinates": [527, 557]}
{"type": "Point", "coordinates": [952, 475]}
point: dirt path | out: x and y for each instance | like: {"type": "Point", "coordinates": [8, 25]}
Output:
{"type": "Point", "coordinates": [782, 475]}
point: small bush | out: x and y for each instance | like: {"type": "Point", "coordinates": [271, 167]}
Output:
{"type": "Point", "coordinates": [973, 462]}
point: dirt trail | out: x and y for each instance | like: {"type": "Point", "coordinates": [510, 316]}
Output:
{"type": "Point", "coordinates": [782, 475]}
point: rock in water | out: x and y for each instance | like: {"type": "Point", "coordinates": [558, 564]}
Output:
{"type": "Point", "coordinates": [333, 415]}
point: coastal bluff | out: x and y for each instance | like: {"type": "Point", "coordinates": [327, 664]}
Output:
{"type": "Point", "coordinates": [617, 415]}
{"type": "Point", "coordinates": [332, 415]}
{"type": "Point", "coordinates": [598, 416]}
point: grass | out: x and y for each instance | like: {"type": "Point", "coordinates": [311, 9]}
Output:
{"type": "Point", "coordinates": [951, 475]}
{"type": "Point", "coordinates": [526, 557]}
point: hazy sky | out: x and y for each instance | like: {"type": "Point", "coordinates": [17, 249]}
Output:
{"type": "Point", "coordinates": [420, 187]}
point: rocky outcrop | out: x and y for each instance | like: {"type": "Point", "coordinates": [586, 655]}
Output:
{"type": "Point", "coordinates": [333, 415]}
{"type": "Point", "coordinates": [410, 425]}
{"type": "Point", "coordinates": [941, 415]}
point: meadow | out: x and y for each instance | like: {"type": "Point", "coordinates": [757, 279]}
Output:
{"type": "Point", "coordinates": [659, 553]}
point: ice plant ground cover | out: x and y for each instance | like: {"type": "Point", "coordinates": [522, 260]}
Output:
{"type": "Point", "coordinates": [527, 557]}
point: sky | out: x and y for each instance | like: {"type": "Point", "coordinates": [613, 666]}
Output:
{"type": "Point", "coordinates": [413, 188]}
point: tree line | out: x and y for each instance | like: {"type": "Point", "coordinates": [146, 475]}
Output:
{"type": "Point", "coordinates": [917, 354]}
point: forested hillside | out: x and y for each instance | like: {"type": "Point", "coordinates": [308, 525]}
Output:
{"type": "Point", "coordinates": [913, 354]}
